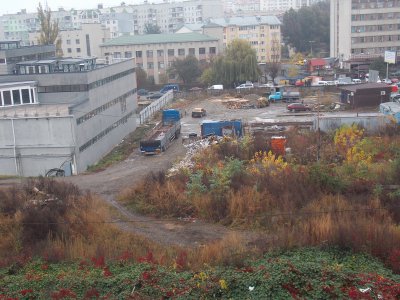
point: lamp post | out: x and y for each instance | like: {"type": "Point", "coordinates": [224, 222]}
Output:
{"type": "Point", "coordinates": [311, 42]}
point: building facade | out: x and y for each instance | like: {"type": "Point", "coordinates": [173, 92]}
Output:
{"type": "Point", "coordinates": [262, 32]}
{"type": "Point", "coordinates": [82, 42]}
{"type": "Point", "coordinates": [154, 53]}
{"type": "Point", "coordinates": [64, 113]}
{"type": "Point", "coordinates": [11, 53]}
{"type": "Point", "coordinates": [364, 29]}
{"type": "Point", "coordinates": [284, 5]}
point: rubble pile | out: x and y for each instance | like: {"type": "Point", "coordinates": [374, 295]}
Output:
{"type": "Point", "coordinates": [249, 101]}
{"type": "Point", "coordinates": [192, 148]}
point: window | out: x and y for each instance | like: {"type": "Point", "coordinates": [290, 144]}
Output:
{"type": "Point", "coordinates": [69, 50]}
{"type": "Point", "coordinates": [7, 97]}
{"type": "Point", "coordinates": [25, 96]}
{"type": "Point", "coordinates": [171, 52]}
{"type": "Point", "coordinates": [138, 53]}
{"type": "Point", "coordinates": [202, 50]}
{"type": "Point", "coordinates": [181, 52]}
{"type": "Point", "coordinates": [128, 54]}
{"type": "Point", "coordinates": [161, 65]}
{"type": "Point", "coordinates": [213, 50]}
{"type": "Point", "coordinates": [77, 41]}
{"type": "Point", "coordinates": [78, 50]}
{"type": "Point", "coordinates": [160, 53]}
{"type": "Point", "coordinates": [2, 61]}
{"type": "Point", "coordinates": [192, 51]}
{"type": "Point", "coordinates": [68, 42]}
{"type": "Point", "coordinates": [150, 65]}
{"type": "Point", "coordinates": [149, 53]}
{"type": "Point", "coordinates": [16, 97]}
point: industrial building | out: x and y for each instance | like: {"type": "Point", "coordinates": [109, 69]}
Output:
{"type": "Point", "coordinates": [154, 53]}
{"type": "Point", "coordinates": [64, 113]}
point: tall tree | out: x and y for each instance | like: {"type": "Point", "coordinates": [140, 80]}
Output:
{"type": "Point", "coordinates": [187, 69]}
{"type": "Point", "coordinates": [273, 66]}
{"type": "Point", "coordinates": [150, 28]}
{"type": "Point", "coordinates": [379, 65]}
{"type": "Point", "coordinates": [48, 30]}
{"type": "Point", "coordinates": [239, 64]}
{"type": "Point", "coordinates": [308, 27]}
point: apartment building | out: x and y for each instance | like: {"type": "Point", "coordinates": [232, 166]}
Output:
{"type": "Point", "coordinates": [284, 5]}
{"type": "Point", "coordinates": [364, 29]}
{"type": "Point", "coordinates": [168, 15]}
{"type": "Point", "coordinates": [262, 32]}
{"type": "Point", "coordinates": [154, 53]}
{"type": "Point", "coordinates": [64, 113]}
{"type": "Point", "coordinates": [82, 42]}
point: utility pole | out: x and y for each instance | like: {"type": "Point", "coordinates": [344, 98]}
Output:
{"type": "Point", "coordinates": [311, 42]}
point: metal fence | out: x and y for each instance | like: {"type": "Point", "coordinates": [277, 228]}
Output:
{"type": "Point", "coordinates": [155, 106]}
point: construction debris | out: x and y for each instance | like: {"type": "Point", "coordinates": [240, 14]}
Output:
{"type": "Point", "coordinates": [249, 101]}
{"type": "Point", "coordinates": [192, 149]}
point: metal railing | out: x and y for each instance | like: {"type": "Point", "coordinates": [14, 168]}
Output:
{"type": "Point", "coordinates": [155, 106]}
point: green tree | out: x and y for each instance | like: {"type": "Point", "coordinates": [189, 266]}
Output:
{"type": "Point", "coordinates": [308, 24]}
{"type": "Point", "coordinates": [207, 77]}
{"type": "Point", "coordinates": [379, 65]}
{"type": "Point", "coordinates": [150, 28]}
{"type": "Point", "coordinates": [187, 69]}
{"type": "Point", "coordinates": [48, 30]}
{"type": "Point", "coordinates": [239, 64]}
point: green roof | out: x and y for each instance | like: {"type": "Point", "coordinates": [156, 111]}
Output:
{"type": "Point", "coordinates": [159, 39]}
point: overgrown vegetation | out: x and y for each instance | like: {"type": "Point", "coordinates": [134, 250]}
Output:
{"type": "Point", "coordinates": [300, 274]}
{"type": "Point", "coordinates": [348, 198]}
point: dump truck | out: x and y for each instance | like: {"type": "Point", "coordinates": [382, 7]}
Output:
{"type": "Point", "coordinates": [222, 128]}
{"type": "Point", "coordinates": [284, 96]}
{"type": "Point", "coordinates": [163, 134]}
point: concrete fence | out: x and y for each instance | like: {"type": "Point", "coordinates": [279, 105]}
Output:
{"type": "Point", "coordinates": [155, 106]}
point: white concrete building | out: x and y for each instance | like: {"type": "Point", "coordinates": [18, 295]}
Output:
{"type": "Point", "coordinates": [82, 42]}
{"type": "Point", "coordinates": [364, 29]}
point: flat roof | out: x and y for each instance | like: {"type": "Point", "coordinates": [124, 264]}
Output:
{"type": "Point", "coordinates": [159, 39]}
{"type": "Point", "coordinates": [17, 83]}
{"type": "Point", "coordinates": [364, 86]}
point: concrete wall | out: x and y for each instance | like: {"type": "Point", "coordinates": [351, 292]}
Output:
{"type": "Point", "coordinates": [40, 145]}
{"type": "Point", "coordinates": [102, 121]}
{"type": "Point", "coordinates": [372, 123]}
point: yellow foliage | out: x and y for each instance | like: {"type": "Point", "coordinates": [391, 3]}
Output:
{"type": "Point", "coordinates": [223, 284]}
{"type": "Point", "coordinates": [346, 137]}
{"type": "Point", "coordinates": [267, 161]}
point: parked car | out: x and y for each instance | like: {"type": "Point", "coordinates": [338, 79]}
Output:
{"type": "Point", "coordinates": [198, 112]}
{"type": "Point", "coordinates": [142, 92]}
{"type": "Point", "coordinates": [245, 86]}
{"type": "Point", "coordinates": [155, 95]}
{"type": "Point", "coordinates": [266, 85]}
{"type": "Point", "coordinates": [298, 107]}
{"type": "Point", "coordinates": [395, 74]}
{"type": "Point", "coordinates": [356, 81]}
{"type": "Point", "coordinates": [387, 81]}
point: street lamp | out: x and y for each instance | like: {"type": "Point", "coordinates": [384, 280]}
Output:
{"type": "Point", "coordinates": [311, 42]}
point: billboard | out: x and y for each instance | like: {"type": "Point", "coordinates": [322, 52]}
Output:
{"type": "Point", "coordinates": [390, 57]}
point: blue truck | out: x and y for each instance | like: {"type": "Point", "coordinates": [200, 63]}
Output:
{"type": "Point", "coordinates": [170, 86]}
{"type": "Point", "coordinates": [284, 96]}
{"type": "Point", "coordinates": [222, 128]}
{"type": "Point", "coordinates": [163, 134]}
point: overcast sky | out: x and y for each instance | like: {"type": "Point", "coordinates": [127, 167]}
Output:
{"type": "Point", "coordinates": [14, 6]}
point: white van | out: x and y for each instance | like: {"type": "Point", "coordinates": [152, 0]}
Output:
{"type": "Point", "coordinates": [218, 87]}
{"type": "Point", "coordinates": [321, 82]}
{"type": "Point", "coordinates": [356, 81]}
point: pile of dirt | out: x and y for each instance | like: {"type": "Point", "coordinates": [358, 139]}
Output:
{"type": "Point", "coordinates": [249, 101]}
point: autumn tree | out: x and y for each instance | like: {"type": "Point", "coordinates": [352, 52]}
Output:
{"type": "Point", "coordinates": [379, 65]}
{"type": "Point", "coordinates": [48, 30]}
{"type": "Point", "coordinates": [239, 64]}
{"type": "Point", "coordinates": [187, 69]}
{"type": "Point", "coordinates": [273, 66]}
{"type": "Point", "coordinates": [150, 28]}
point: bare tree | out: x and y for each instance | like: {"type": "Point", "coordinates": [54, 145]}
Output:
{"type": "Point", "coordinates": [273, 66]}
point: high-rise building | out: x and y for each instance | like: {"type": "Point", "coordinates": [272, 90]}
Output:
{"type": "Point", "coordinates": [364, 29]}
{"type": "Point", "coordinates": [284, 5]}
